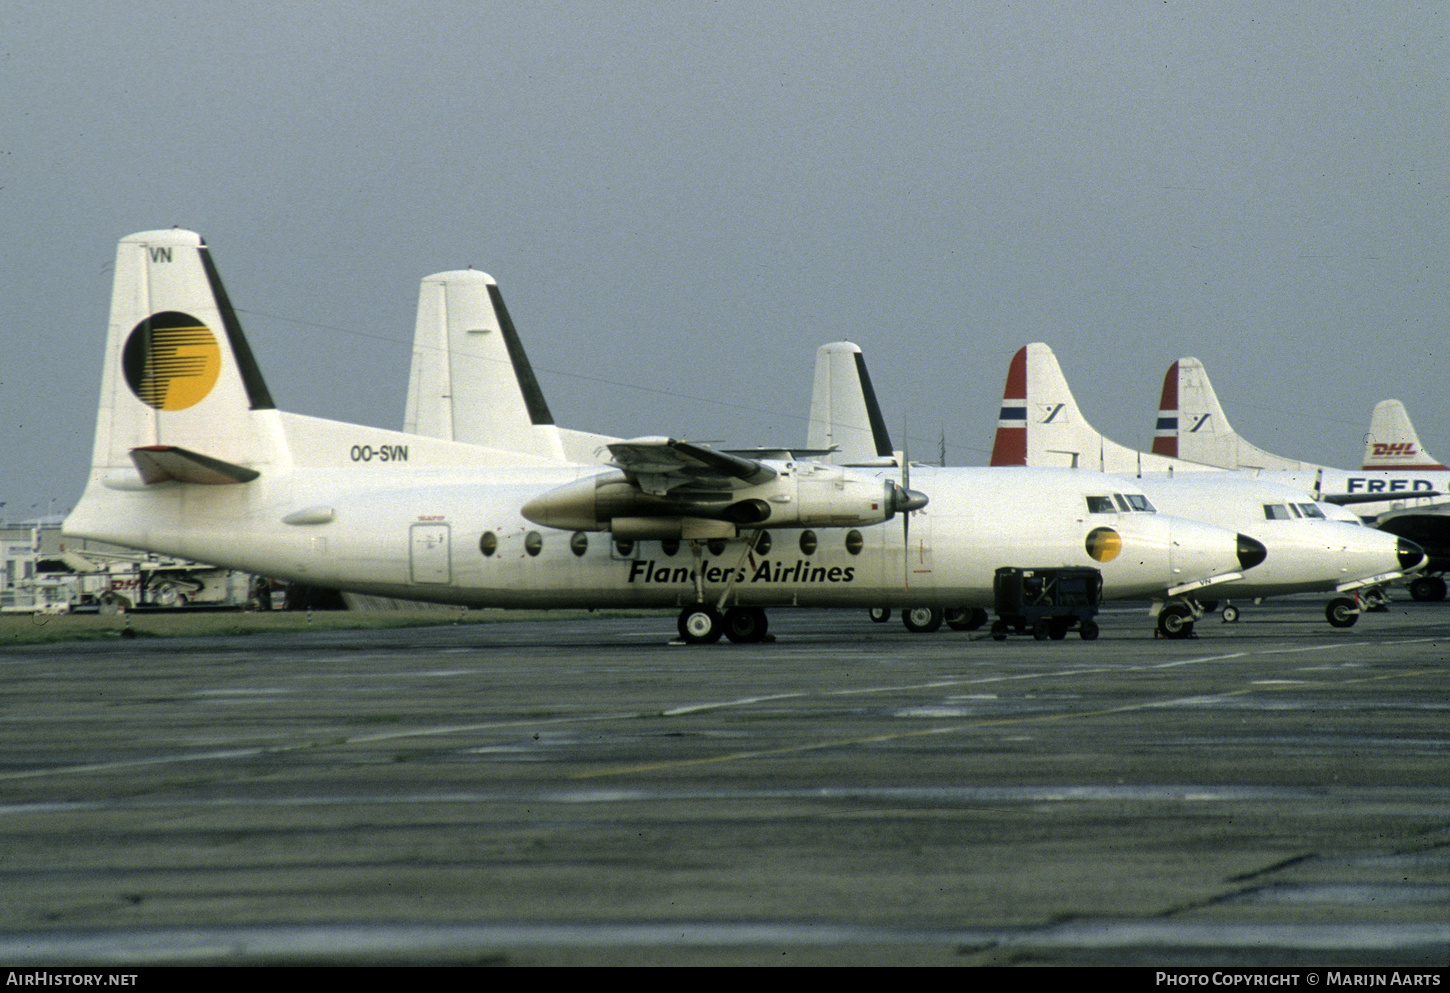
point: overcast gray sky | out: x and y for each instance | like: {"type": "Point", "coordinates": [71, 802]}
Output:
{"type": "Point", "coordinates": [682, 200]}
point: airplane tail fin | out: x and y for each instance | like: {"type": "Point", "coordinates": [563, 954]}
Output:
{"type": "Point", "coordinates": [180, 385]}
{"type": "Point", "coordinates": [1192, 425]}
{"type": "Point", "coordinates": [1392, 442]}
{"type": "Point", "coordinates": [1041, 425]}
{"type": "Point", "coordinates": [471, 380]}
{"type": "Point", "coordinates": [844, 411]}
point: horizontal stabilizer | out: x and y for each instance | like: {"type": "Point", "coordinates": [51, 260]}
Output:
{"type": "Point", "coordinates": [168, 463]}
{"type": "Point", "coordinates": [1380, 496]}
{"type": "Point", "coordinates": [782, 454]}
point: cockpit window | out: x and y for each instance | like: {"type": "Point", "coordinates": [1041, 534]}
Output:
{"type": "Point", "coordinates": [1122, 502]}
{"type": "Point", "coordinates": [1139, 502]}
{"type": "Point", "coordinates": [1100, 505]}
{"type": "Point", "coordinates": [1311, 510]}
{"type": "Point", "coordinates": [1276, 512]}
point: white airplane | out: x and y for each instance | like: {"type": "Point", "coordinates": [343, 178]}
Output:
{"type": "Point", "coordinates": [846, 425]}
{"type": "Point", "coordinates": [193, 458]}
{"type": "Point", "coordinates": [1400, 487]}
{"type": "Point", "coordinates": [1313, 547]}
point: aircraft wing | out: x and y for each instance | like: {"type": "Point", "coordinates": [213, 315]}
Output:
{"type": "Point", "coordinates": [660, 465]}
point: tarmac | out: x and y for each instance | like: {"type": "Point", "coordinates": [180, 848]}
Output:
{"type": "Point", "coordinates": [585, 792]}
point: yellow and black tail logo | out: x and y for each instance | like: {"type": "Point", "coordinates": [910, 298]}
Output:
{"type": "Point", "coordinates": [171, 360]}
{"type": "Point", "coordinates": [1104, 544]}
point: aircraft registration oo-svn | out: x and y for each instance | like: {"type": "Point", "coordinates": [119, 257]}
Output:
{"type": "Point", "coordinates": [193, 458]}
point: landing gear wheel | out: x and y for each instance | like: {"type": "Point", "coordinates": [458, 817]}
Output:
{"type": "Point", "coordinates": [881, 614]}
{"type": "Point", "coordinates": [966, 620]}
{"type": "Point", "coordinates": [1042, 629]}
{"type": "Point", "coordinates": [1373, 601]}
{"type": "Point", "coordinates": [921, 620]}
{"type": "Point", "coordinates": [745, 625]}
{"type": "Point", "coordinates": [1230, 614]}
{"type": "Point", "coordinates": [1176, 621]}
{"type": "Point", "coordinates": [1088, 630]}
{"type": "Point", "coordinates": [1342, 612]}
{"type": "Point", "coordinates": [999, 630]}
{"type": "Point", "coordinates": [1428, 588]}
{"type": "Point", "coordinates": [700, 625]}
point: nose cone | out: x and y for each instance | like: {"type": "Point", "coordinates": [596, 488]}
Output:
{"type": "Point", "coordinates": [1411, 555]}
{"type": "Point", "coordinates": [1251, 552]}
{"type": "Point", "coordinates": [905, 501]}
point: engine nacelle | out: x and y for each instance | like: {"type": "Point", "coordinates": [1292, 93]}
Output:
{"type": "Point", "coordinates": [800, 495]}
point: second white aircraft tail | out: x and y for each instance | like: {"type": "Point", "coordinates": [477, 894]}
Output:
{"type": "Point", "coordinates": [1392, 442]}
{"type": "Point", "coordinates": [471, 380]}
{"type": "Point", "coordinates": [845, 416]}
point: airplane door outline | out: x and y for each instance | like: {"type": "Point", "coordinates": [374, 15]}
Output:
{"type": "Point", "coordinates": [430, 553]}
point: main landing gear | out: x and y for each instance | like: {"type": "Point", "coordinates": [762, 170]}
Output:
{"type": "Point", "coordinates": [702, 624]}
{"type": "Point", "coordinates": [923, 620]}
{"type": "Point", "coordinates": [1428, 588]}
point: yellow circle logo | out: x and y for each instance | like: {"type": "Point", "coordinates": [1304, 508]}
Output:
{"type": "Point", "coordinates": [1104, 544]}
{"type": "Point", "coordinates": [171, 361]}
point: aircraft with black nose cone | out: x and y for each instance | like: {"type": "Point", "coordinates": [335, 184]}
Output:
{"type": "Point", "coordinates": [471, 381]}
{"type": "Point", "coordinates": [1312, 546]}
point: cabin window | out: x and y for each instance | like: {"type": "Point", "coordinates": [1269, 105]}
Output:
{"type": "Point", "coordinates": [762, 543]}
{"type": "Point", "coordinates": [488, 544]}
{"type": "Point", "coordinates": [808, 542]}
{"type": "Point", "coordinates": [579, 544]}
{"type": "Point", "coordinates": [716, 546]}
{"type": "Point", "coordinates": [1100, 505]}
{"type": "Point", "coordinates": [623, 546]}
{"type": "Point", "coordinates": [533, 543]}
{"type": "Point", "coordinates": [854, 542]}
{"type": "Point", "coordinates": [670, 546]}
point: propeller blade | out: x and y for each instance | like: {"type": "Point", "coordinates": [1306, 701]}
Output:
{"type": "Point", "coordinates": [906, 513]}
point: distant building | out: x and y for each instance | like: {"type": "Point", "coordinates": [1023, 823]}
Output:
{"type": "Point", "coordinates": [44, 571]}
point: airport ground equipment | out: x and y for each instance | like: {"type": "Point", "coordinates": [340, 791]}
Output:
{"type": "Point", "coordinates": [1046, 602]}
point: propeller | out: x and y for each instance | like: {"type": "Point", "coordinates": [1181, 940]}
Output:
{"type": "Point", "coordinates": [904, 501]}
{"type": "Point", "coordinates": [905, 514]}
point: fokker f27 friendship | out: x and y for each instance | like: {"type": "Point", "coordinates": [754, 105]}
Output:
{"type": "Point", "coordinates": [846, 428]}
{"type": "Point", "coordinates": [192, 457]}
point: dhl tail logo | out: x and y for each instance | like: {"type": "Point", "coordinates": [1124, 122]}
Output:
{"type": "Point", "coordinates": [171, 361]}
{"type": "Point", "coordinates": [1403, 449]}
